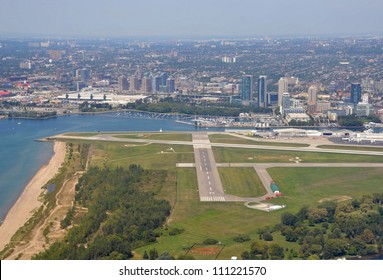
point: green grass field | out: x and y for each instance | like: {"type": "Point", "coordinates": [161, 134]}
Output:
{"type": "Point", "coordinates": [232, 155]}
{"type": "Point", "coordinates": [226, 138]}
{"type": "Point", "coordinates": [307, 186]}
{"type": "Point", "coordinates": [243, 182]}
{"type": "Point", "coordinates": [153, 156]}
{"type": "Point", "coordinates": [202, 220]}
{"type": "Point", "coordinates": [223, 221]}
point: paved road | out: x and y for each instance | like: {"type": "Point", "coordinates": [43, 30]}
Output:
{"type": "Point", "coordinates": [209, 183]}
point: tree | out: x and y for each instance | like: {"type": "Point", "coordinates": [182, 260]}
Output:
{"type": "Point", "coordinates": [368, 236]}
{"type": "Point", "coordinates": [145, 257]}
{"type": "Point", "coordinates": [245, 255]}
{"type": "Point", "coordinates": [334, 248]}
{"type": "Point", "coordinates": [276, 252]}
{"type": "Point", "coordinates": [267, 236]}
{"type": "Point", "coordinates": [153, 254]}
{"type": "Point", "coordinates": [289, 219]}
{"type": "Point", "coordinates": [210, 241]}
{"type": "Point", "coordinates": [303, 213]}
{"type": "Point", "coordinates": [317, 215]}
{"type": "Point", "coordinates": [165, 256]}
{"type": "Point", "coordinates": [241, 238]}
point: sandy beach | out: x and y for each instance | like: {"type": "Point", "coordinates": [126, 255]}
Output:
{"type": "Point", "coordinates": [28, 202]}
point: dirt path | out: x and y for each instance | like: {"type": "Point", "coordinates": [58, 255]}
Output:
{"type": "Point", "coordinates": [39, 241]}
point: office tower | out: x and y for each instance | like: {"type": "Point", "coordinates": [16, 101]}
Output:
{"type": "Point", "coordinates": [283, 86]}
{"type": "Point", "coordinates": [356, 94]}
{"type": "Point", "coordinates": [312, 95]}
{"type": "Point", "coordinates": [123, 84]}
{"type": "Point", "coordinates": [246, 88]}
{"type": "Point", "coordinates": [262, 91]}
{"type": "Point", "coordinates": [170, 85]}
{"type": "Point", "coordinates": [285, 102]}
{"type": "Point", "coordinates": [146, 85]}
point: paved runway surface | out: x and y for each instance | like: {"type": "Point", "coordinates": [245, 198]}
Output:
{"type": "Point", "coordinates": [209, 183]}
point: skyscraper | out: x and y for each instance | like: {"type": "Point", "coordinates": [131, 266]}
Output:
{"type": "Point", "coordinates": [356, 93]}
{"type": "Point", "coordinates": [146, 86]}
{"type": "Point", "coordinates": [134, 84]}
{"type": "Point", "coordinates": [170, 85]}
{"type": "Point", "coordinates": [85, 74]}
{"type": "Point", "coordinates": [246, 88]}
{"type": "Point", "coordinates": [283, 86]}
{"type": "Point", "coordinates": [285, 102]}
{"type": "Point", "coordinates": [312, 95]}
{"type": "Point", "coordinates": [122, 84]}
{"type": "Point", "coordinates": [262, 91]}
{"type": "Point", "coordinates": [156, 83]}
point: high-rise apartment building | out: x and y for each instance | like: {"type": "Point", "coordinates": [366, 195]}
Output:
{"type": "Point", "coordinates": [123, 84]}
{"type": "Point", "coordinates": [156, 83]}
{"type": "Point", "coordinates": [146, 85]}
{"type": "Point", "coordinates": [85, 74]}
{"type": "Point", "coordinates": [262, 91]}
{"type": "Point", "coordinates": [246, 88]}
{"type": "Point", "coordinates": [283, 86]}
{"type": "Point", "coordinates": [312, 95]}
{"type": "Point", "coordinates": [356, 93]}
{"type": "Point", "coordinates": [285, 102]}
{"type": "Point", "coordinates": [134, 84]}
{"type": "Point", "coordinates": [170, 85]}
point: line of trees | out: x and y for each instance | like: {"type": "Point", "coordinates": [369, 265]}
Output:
{"type": "Point", "coordinates": [326, 232]}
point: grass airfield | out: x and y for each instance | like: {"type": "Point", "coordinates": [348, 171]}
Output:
{"type": "Point", "coordinates": [222, 220]}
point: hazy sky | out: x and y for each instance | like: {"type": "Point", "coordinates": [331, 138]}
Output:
{"type": "Point", "coordinates": [190, 18]}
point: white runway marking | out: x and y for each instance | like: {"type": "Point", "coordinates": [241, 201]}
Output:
{"type": "Point", "coordinates": [213, 198]}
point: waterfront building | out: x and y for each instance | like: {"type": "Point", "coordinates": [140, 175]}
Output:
{"type": "Point", "coordinates": [262, 91]}
{"type": "Point", "coordinates": [246, 88]}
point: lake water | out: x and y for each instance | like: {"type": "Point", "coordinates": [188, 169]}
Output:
{"type": "Point", "coordinates": [21, 157]}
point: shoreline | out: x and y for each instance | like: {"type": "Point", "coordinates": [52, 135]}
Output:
{"type": "Point", "coordinates": [29, 201]}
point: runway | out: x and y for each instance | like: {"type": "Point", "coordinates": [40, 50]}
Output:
{"type": "Point", "coordinates": [209, 182]}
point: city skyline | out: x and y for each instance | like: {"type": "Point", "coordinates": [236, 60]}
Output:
{"type": "Point", "coordinates": [171, 18]}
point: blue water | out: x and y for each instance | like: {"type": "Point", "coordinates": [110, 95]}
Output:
{"type": "Point", "coordinates": [21, 157]}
